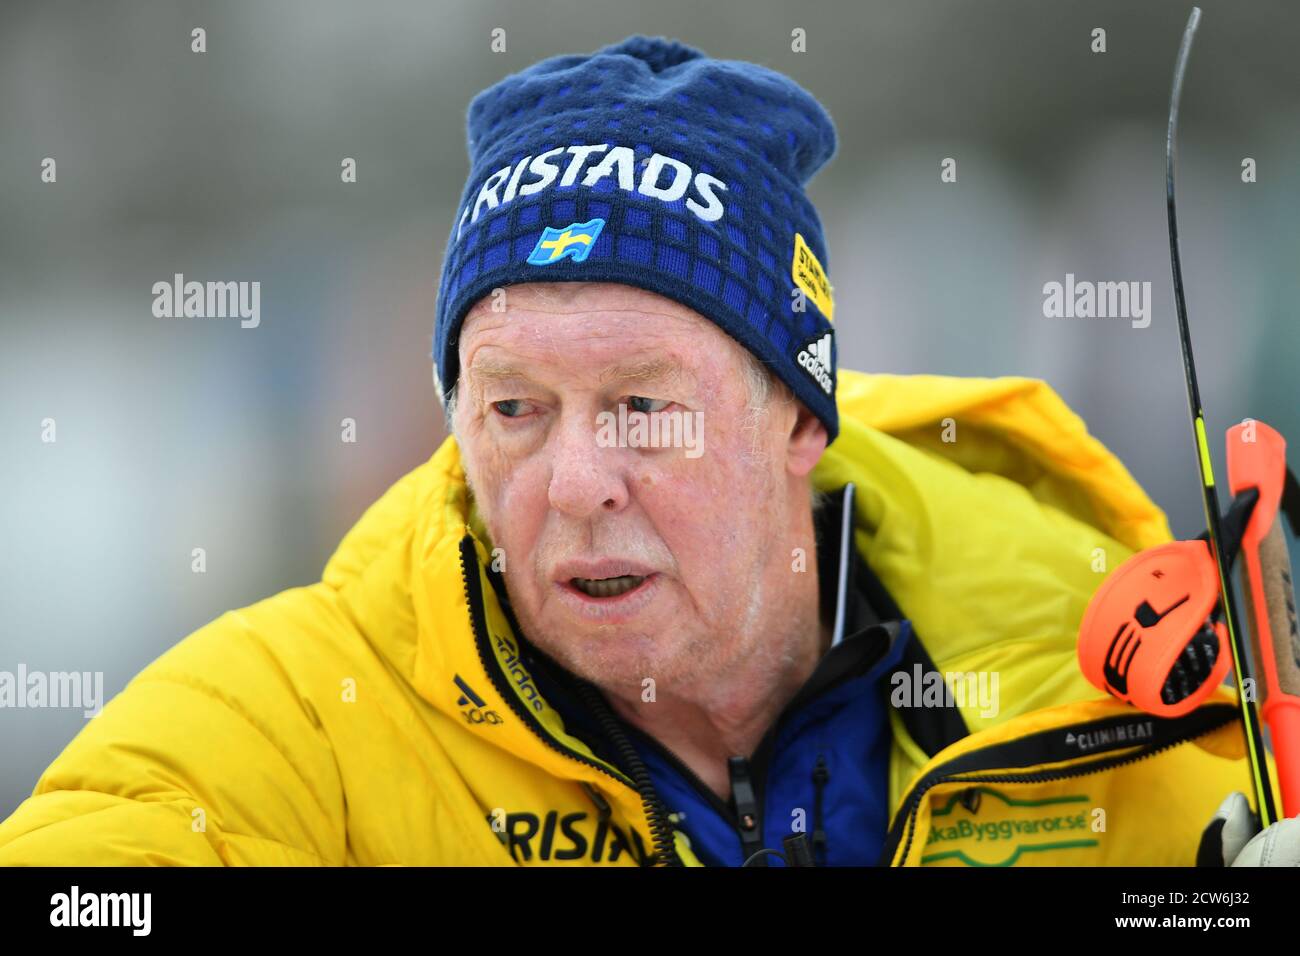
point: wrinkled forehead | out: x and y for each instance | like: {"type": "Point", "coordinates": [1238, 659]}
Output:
{"type": "Point", "coordinates": [562, 298]}
{"type": "Point", "coordinates": [613, 331]}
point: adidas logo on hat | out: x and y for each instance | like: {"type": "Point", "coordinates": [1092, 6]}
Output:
{"type": "Point", "coordinates": [815, 359]}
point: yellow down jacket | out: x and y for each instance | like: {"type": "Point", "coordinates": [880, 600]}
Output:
{"type": "Point", "coordinates": [382, 715]}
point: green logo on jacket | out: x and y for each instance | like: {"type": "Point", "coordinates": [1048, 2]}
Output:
{"type": "Point", "coordinates": [1008, 831]}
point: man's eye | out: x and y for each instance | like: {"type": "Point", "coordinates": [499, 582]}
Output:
{"type": "Point", "coordinates": [510, 408]}
{"type": "Point", "coordinates": [640, 404]}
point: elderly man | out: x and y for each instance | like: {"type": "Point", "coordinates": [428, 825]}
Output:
{"type": "Point", "coordinates": [677, 591]}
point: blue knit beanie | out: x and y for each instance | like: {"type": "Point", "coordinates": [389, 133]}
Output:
{"type": "Point", "coordinates": [649, 164]}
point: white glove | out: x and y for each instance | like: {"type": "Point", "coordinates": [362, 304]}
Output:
{"type": "Point", "coordinates": [1233, 838]}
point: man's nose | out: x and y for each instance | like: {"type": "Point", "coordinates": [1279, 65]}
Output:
{"type": "Point", "coordinates": [585, 478]}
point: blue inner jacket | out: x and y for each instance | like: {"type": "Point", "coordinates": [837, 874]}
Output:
{"type": "Point", "coordinates": [822, 767]}
{"type": "Point", "coordinates": [823, 772]}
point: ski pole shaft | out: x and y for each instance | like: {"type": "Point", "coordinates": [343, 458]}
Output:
{"type": "Point", "coordinates": [1255, 750]}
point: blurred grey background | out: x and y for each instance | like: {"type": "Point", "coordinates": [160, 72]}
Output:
{"type": "Point", "coordinates": [183, 433]}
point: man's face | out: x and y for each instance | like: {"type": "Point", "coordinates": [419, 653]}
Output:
{"type": "Point", "coordinates": [629, 562]}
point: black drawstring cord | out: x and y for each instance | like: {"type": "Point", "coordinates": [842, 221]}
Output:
{"type": "Point", "coordinates": [821, 775]}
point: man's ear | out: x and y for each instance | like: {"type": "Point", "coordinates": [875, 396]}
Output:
{"type": "Point", "coordinates": [807, 442]}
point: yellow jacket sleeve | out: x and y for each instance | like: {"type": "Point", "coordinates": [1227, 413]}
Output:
{"type": "Point", "coordinates": [208, 757]}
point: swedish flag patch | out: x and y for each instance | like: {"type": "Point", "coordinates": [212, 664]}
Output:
{"type": "Point", "coordinates": [574, 241]}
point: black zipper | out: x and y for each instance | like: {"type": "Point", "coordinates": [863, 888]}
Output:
{"type": "Point", "coordinates": [478, 625]}
{"type": "Point", "coordinates": [1218, 715]}
{"type": "Point", "coordinates": [704, 790]}
{"type": "Point", "coordinates": [661, 828]}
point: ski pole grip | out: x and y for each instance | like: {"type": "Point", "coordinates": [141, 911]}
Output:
{"type": "Point", "coordinates": [1257, 458]}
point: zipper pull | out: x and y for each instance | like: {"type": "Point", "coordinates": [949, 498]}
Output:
{"type": "Point", "coordinates": [603, 809]}
{"type": "Point", "coordinates": [742, 794]}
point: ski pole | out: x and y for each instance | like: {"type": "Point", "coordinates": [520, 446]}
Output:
{"type": "Point", "coordinates": [1255, 751]}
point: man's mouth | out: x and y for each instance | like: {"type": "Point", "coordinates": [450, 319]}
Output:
{"type": "Point", "coordinates": [607, 587]}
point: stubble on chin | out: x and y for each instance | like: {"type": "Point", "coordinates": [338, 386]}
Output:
{"type": "Point", "coordinates": [614, 658]}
